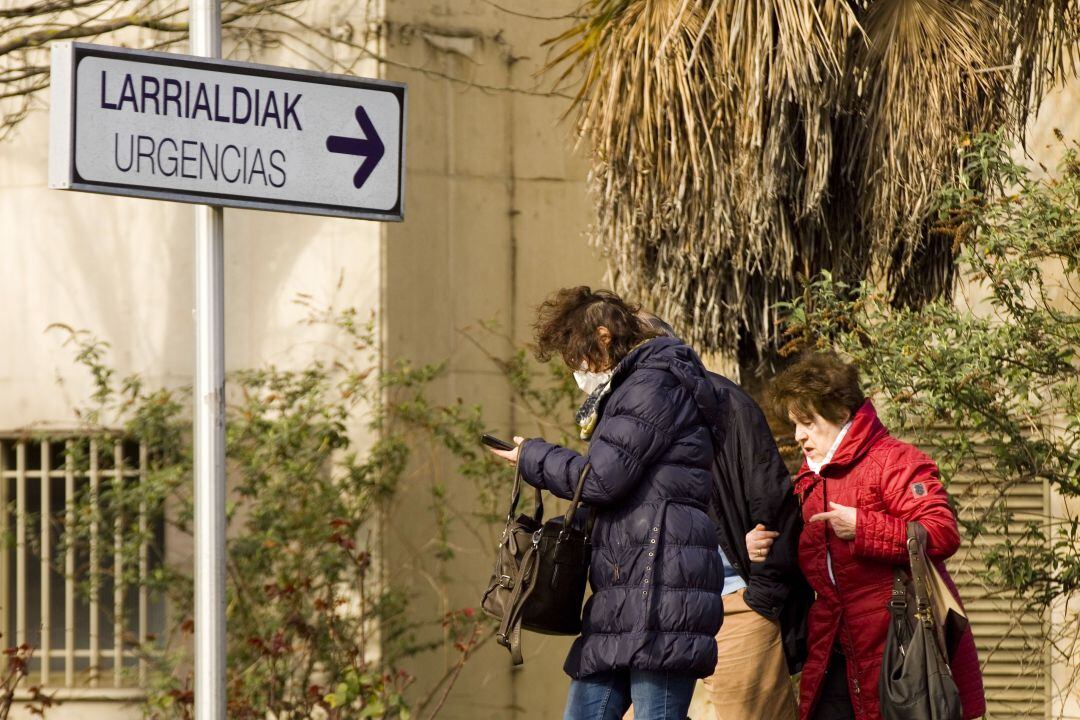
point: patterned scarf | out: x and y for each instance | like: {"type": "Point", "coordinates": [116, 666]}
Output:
{"type": "Point", "coordinates": [589, 413]}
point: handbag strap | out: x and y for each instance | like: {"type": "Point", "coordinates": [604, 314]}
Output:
{"type": "Point", "coordinates": [515, 495]}
{"type": "Point", "coordinates": [898, 602]}
{"type": "Point", "coordinates": [920, 576]}
{"type": "Point", "coordinates": [916, 546]}
{"type": "Point", "coordinates": [900, 631]}
{"type": "Point", "coordinates": [538, 505]}
{"type": "Point", "coordinates": [568, 518]}
{"type": "Point", "coordinates": [509, 633]}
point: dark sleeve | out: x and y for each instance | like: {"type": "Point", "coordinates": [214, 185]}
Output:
{"type": "Point", "coordinates": [630, 438]}
{"type": "Point", "coordinates": [768, 491]}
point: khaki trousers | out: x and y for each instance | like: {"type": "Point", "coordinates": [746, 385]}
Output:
{"type": "Point", "coordinates": [751, 680]}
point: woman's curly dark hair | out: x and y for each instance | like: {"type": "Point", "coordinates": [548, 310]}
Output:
{"type": "Point", "coordinates": [821, 383]}
{"type": "Point", "coordinates": [566, 325]}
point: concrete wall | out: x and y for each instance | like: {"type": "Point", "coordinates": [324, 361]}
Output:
{"type": "Point", "coordinates": [122, 269]}
{"type": "Point", "coordinates": [497, 210]}
{"type": "Point", "coordinates": [1044, 150]}
{"type": "Point", "coordinates": [495, 214]}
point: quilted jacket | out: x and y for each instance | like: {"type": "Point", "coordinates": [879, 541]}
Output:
{"type": "Point", "coordinates": [890, 483]}
{"type": "Point", "coordinates": [656, 574]}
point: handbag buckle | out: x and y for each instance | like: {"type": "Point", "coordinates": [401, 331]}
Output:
{"type": "Point", "coordinates": [505, 581]}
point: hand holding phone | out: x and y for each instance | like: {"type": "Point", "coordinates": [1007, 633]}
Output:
{"type": "Point", "coordinates": [507, 451]}
{"type": "Point", "coordinates": [497, 443]}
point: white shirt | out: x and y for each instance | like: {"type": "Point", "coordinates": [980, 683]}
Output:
{"type": "Point", "coordinates": [817, 467]}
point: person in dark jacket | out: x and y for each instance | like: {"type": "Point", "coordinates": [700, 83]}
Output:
{"type": "Point", "coordinates": [652, 419]}
{"type": "Point", "coordinates": [766, 598]}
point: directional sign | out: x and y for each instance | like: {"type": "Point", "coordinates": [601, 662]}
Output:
{"type": "Point", "coordinates": [175, 127]}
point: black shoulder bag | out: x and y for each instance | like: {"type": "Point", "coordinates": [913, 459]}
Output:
{"type": "Point", "coordinates": [916, 682]}
{"type": "Point", "coordinates": [540, 572]}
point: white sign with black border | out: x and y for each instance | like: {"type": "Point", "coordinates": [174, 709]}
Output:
{"type": "Point", "coordinates": [191, 129]}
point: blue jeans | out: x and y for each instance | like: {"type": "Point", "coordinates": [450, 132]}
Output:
{"type": "Point", "coordinates": [654, 695]}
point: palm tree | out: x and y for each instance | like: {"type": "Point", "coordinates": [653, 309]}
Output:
{"type": "Point", "coordinates": [740, 147]}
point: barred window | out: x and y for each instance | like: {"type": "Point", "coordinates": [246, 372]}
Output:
{"type": "Point", "coordinates": [87, 628]}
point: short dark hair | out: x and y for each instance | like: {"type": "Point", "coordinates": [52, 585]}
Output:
{"type": "Point", "coordinates": [566, 325]}
{"type": "Point", "coordinates": [818, 383]}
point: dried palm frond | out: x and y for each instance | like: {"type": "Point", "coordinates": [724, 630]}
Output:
{"type": "Point", "coordinates": [700, 120]}
{"type": "Point", "coordinates": [741, 146]}
{"type": "Point", "coordinates": [920, 93]}
{"type": "Point", "coordinates": [1041, 38]}
{"type": "Point", "coordinates": [651, 116]}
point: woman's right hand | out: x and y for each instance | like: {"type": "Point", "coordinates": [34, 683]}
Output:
{"type": "Point", "coordinates": [758, 543]}
{"type": "Point", "coordinates": [511, 456]}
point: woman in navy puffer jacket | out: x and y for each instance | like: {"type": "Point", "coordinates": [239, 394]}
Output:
{"type": "Point", "coordinates": [649, 628]}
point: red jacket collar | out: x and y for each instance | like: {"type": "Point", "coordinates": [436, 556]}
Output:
{"type": "Point", "coordinates": [866, 429]}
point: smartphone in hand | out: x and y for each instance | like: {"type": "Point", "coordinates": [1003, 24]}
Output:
{"type": "Point", "coordinates": [494, 442]}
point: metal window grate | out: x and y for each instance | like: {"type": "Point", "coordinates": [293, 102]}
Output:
{"type": "Point", "coordinates": [88, 627]}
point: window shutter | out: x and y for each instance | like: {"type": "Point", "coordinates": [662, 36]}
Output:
{"type": "Point", "coordinates": [1009, 637]}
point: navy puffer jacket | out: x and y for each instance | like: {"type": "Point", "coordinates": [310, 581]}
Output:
{"type": "Point", "coordinates": [656, 574]}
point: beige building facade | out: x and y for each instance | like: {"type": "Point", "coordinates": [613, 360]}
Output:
{"type": "Point", "coordinates": [496, 217]}
{"type": "Point", "coordinates": [496, 211]}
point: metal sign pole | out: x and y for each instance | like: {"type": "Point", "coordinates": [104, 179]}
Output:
{"type": "Point", "coordinates": [236, 134]}
{"type": "Point", "coordinates": [205, 31]}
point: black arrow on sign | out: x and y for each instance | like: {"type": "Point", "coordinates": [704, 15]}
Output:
{"type": "Point", "coordinates": [370, 147]}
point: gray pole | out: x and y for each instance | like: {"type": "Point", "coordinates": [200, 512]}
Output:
{"type": "Point", "coordinates": [205, 27]}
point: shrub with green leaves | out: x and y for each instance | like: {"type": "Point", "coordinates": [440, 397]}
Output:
{"type": "Point", "coordinates": [315, 455]}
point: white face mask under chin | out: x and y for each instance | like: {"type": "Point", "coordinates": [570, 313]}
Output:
{"type": "Point", "coordinates": [589, 381]}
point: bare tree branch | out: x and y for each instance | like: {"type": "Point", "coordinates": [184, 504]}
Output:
{"type": "Point", "coordinates": [43, 8]}
{"type": "Point", "coordinates": [250, 27]}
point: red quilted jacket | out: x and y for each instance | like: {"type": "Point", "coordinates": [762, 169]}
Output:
{"type": "Point", "coordinates": [890, 483]}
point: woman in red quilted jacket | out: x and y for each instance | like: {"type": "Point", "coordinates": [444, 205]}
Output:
{"type": "Point", "coordinates": [859, 487]}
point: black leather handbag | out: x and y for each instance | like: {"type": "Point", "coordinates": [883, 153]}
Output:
{"type": "Point", "coordinates": [916, 682]}
{"type": "Point", "coordinates": [540, 572]}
